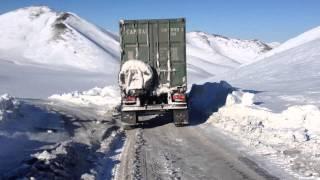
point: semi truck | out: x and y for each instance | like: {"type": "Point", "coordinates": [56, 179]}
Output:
{"type": "Point", "coordinates": [153, 72]}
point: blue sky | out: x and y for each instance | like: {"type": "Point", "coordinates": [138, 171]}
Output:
{"type": "Point", "coordinates": [268, 20]}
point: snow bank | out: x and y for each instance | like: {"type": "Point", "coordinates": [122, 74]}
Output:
{"type": "Point", "coordinates": [107, 97]}
{"type": "Point", "coordinates": [207, 98]}
{"type": "Point", "coordinates": [8, 106]}
{"type": "Point", "coordinates": [292, 137]}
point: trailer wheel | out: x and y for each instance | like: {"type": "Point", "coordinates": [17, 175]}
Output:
{"type": "Point", "coordinates": [180, 117]}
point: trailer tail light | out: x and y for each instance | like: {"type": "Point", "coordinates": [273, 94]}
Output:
{"type": "Point", "coordinates": [130, 100]}
{"type": "Point", "coordinates": [179, 97]}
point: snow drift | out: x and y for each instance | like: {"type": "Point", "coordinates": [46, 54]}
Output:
{"type": "Point", "coordinates": [292, 136]}
{"type": "Point", "coordinates": [107, 97]}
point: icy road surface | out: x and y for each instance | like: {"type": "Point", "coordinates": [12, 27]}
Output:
{"type": "Point", "coordinates": [163, 151]}
{"type": "Point", "coordinates": [49, 140]}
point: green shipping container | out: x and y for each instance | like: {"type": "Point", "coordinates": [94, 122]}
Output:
{"type": "Point", "coordinates": [159, 43]}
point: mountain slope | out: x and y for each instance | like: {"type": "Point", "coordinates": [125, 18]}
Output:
{"type": "Point", "coordinates": [216, 54]}
{"type": "Point", "coordinates": [301, 39]}
{"type": "Point", "coordinates": [56, 40]}
{"type": "Point", "coordinates": [232, 51]}
{"type": "Point", "coordinates": [288, 75]}
{"type": "Point", "coordinates": [43, 52]}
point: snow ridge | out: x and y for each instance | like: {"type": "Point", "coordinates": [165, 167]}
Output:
{"type": "Point", "coordinates": [301, 39]}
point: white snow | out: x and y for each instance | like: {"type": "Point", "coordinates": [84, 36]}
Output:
{"type": "Point", "coordinates": [274, 44]}
{"type": "Point", "coordinates": [107, 97]}
{"type": "Point", "coordinates": [44, 155]}
{"type": "Point", "coordinates": [237, 97]}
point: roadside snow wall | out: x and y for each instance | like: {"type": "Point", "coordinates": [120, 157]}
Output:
{"type": "Point", "coordinates": [107, 97]}
{"type": "Point", "coordinates": [291, 137]}
{"type": "Point", "coordinates": [8, 106]}
{"type": "Point", "coordinates": [205, 99]}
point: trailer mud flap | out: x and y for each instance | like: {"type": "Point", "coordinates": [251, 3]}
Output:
{"type": "Point", "coordinates": [129, 117]}
{"type": "Point", "coordinates": [180, 117]}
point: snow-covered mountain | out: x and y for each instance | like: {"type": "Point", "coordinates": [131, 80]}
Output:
{"type": "Point", "coordinates": [289, 73]}
{"type": "Point", "coordinates": [274, 44]}
{"type": "Point", "coordinates": [41, 36]}
{"type": "Point", "coordinates": [209, 54]}
{"type": "Point", "coordinates": [43, 52]}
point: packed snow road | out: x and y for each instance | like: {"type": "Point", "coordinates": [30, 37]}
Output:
{"type": "Point", "coordinates": [80, 143]}
{"type": "Point", "coordinates": [163, 151]}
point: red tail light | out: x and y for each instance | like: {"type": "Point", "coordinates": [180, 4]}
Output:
{"type": "Point", "coordinates": [130, 100]}
{"type": "Point", "coordinates": [179, 97]}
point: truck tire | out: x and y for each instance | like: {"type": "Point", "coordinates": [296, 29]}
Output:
{"type": "Point", "coordinates": [180, 117]}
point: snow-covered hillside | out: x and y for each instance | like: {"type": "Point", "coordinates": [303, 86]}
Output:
{"type": "Point", "coordinates": [289, 77]}
{"type": "Point", "coordinates": [209, 54]}
{"type": "Point", "coordinates": [303, 38]}
{"type": "Point", "coordinates": [41, 36]}
{"type": "Point", "coordinates": [43, 52]}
